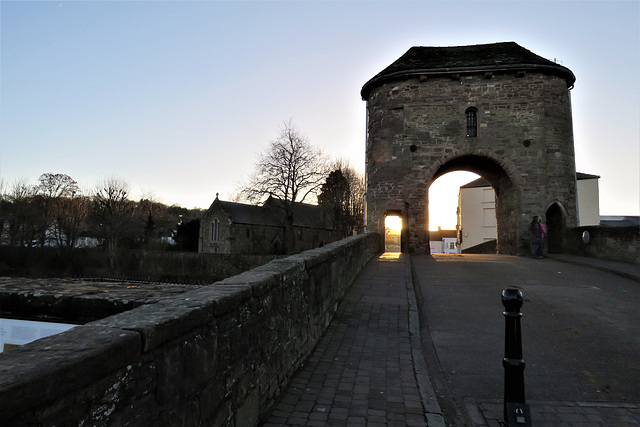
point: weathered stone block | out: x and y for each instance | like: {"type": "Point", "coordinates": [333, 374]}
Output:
{"type": "Point", "coordinates": [217, 355]}
{"type": "Point", "coordinates": [39, 372]}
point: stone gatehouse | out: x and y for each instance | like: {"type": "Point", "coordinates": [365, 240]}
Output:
{"type": "Point", "coordinates": [497, 110]}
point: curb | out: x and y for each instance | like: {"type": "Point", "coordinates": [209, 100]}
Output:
{"type": "Point", "coordinates": [431, 407]}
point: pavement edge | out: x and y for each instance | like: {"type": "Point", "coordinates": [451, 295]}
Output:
{"type": "Point", "coordinates": [431, 407]}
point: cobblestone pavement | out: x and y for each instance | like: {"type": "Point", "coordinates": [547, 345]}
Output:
{"type": "Point", "coordinates": [362, 372]}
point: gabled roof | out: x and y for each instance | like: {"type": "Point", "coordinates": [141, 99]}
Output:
{"type": "Point", "coordinates": [271, 214]}
{"type": "Point", "coordinates": [580, 175]}
{"type": "Point", "coordinates": [241, 213]}
{"type": "Point", "coordinates": [480, 182]}
{"type": "Point", "coordinates": [249, 214]}
{"type": "Point", "coordinates": [304, 215]}
{"type": "Point", "coordinates": [420, 60]}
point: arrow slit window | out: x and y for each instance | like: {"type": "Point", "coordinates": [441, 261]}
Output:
{"type": "Point", "coordinates": [472, 122]}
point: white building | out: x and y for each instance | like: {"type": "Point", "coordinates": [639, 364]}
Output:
{"type": "Point", "coordinates": [588, 195]}
{"type": "Point", "coordinates": [476, 214]}
{"type": "Point", "coordinates": [477, 209]}
{"type": "Point", "coordinates": [443, 242]}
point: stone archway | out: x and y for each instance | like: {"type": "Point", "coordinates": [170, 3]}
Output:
{"type": "Point", "coordinates": [497, 110]}
{"type": "Point", "coordinates": [501, 182]}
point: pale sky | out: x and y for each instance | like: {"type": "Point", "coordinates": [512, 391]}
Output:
{"type": "Point", "coordinates": [176, 98]}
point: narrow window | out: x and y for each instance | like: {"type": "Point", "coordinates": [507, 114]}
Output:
{"type": "Point", "coordinates": [215, 230]}
{"type": "Point", "coordinates": [472, 122]}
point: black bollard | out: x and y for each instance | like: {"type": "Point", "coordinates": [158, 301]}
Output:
{"type": "Point", "coordinates": [516, 411]}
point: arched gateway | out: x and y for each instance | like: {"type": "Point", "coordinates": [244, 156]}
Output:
{"type": "Point", "coordinates": [497, 110]}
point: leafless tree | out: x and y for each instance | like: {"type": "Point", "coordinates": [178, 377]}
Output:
{"type": "Point", "coordinates": [115, 214]}
{"type": "Point", "coordinates": [50, 189]}
{"type": "Point", "coordinates": [343, 196]}
{"type": "Point", "coordinates": [22, 214]}
{"type": "Point", "coordinates": [291, 170]}
{"type": "Point", "coordinates": [69, 214]}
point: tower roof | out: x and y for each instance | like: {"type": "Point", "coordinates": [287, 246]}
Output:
{"type": "Point", "coordinates": [420, 60]}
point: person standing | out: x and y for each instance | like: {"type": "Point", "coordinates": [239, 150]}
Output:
{"type": "Point", "coordinates": [536, 229]}
{"type": "Point", "coordinates": [543, 228]}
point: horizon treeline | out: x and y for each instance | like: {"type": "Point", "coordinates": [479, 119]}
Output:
{"type": "Point", "coordinates": [55, 212]}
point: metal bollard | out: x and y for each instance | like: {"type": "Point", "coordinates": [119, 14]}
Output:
{"type": "Point", "coordinates": [516, 411]}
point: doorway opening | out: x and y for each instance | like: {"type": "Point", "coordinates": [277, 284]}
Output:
{"type": "Point", "coordinates": [392, 233]}
{"type": "Point", "coordinates": [555, 229]}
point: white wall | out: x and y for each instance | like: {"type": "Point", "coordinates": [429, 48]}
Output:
{"type": "Point", "coordinates": [477, 216]}
{"type": "Point", "coordinates": [588, 202]}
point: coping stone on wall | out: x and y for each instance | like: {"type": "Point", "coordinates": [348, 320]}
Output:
{"type": "Point", "coordinates": [40, 372]}
{"type": "Point", "coordinates": [261, 282]}
{"type": "Point", "coordinates": [172, 317]}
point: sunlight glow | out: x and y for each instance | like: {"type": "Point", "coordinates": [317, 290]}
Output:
{"type": "Point", "coordinates": [390, 255]}
{"type": "Point", "coordinates": [392, 231]}
{"type": "Point", "coordinates": [443, 199]}
{"type": "Point", "coordinates": [393, 223]}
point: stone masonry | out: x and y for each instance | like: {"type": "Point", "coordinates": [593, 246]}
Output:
{"type": "Point", "coordinates": [417, 131]}
{"type": "Point", "coordinates": [214, 355]}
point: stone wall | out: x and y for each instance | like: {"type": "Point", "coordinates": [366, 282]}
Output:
{"type": "Point", "coordinates": [610, 243]}
{"type": "Point", "coordinates": [216, 355]}
{"type": "Point", "coordinates": [187, 267]}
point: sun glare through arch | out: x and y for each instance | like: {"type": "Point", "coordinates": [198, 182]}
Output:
{"type": "Point", "coordinates": [392, 233]}
{"type": "Point", "coordinates": [443, 199]}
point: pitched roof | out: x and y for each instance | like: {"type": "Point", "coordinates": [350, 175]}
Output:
{"type": "Point", "coordinates": [420, 60]}
{"type": "Point", "coordinates": [271, 214]}
{"type": "Point", "coordinates": [249, 214]}
{"type": "Point", "coordinates": [480, 182]}
{"type": "Point", "coordinates": [304, 215]}
{"type": "Point", "coordinates": [241, 213]}
{"type": "Point", "coordinates": [580, 175]}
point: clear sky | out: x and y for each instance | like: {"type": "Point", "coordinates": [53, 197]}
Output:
{"type": "Point", "coordinates": [177, 97]}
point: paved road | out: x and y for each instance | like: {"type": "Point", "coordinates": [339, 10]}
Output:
{"type": "Point", "coordinates": [581, 340]}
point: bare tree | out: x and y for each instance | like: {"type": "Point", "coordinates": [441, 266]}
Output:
{"type": "Point", "coordinates": [50, 189]}
{"type": "Point", "coordinates": [115, 214]}
{"type": "Point", "coordinates": [342, 195]}
{"type": "Point", "coordinates": [291, 170]}
{"type": "Point", "coordinates": [355, 206]}
{"type": "Point", "coordinates": [69, 214]}
{"type": "Point", "coordinates": [22, 214]}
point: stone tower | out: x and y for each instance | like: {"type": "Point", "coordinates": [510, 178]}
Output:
{"type": "Point", "coordinates": [497, 110]}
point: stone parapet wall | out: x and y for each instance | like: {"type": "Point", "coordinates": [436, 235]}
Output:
{"type": "Point", "coordinates": [215, 355]}
{"type": "Point", "coordinates": [191, 266]}
{"type": "Point", "coordinates": [610, 243]}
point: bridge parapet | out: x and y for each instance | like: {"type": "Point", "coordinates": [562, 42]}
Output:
{"type": "Point", "coordinates": [217, 355]}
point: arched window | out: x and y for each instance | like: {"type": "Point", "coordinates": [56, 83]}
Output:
{"type": "Point", "coordinates": [215, 230]}
{"type": "Point", "coordinates": [472, 122]}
